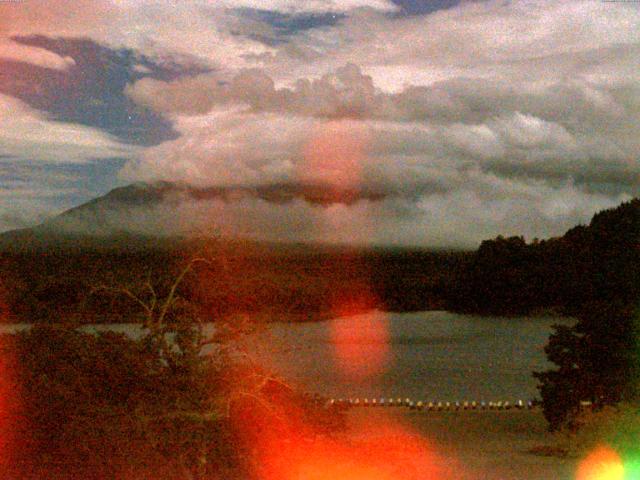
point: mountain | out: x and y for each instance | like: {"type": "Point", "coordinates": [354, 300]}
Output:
{"type": "Point", "coordinates": [142, 211]}
{"type": "Point", "coordinates": [135, 234]}
{"type": "Point", "coordinates": [589, 265]}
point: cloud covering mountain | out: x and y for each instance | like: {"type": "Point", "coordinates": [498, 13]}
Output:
{"type": "Point", "coordinates": [478, 119]}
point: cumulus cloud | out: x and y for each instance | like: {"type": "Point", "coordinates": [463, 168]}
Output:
{"type": "Point", "coordinates": [347, 92]}
{"type": "Point", "coordinates": [566, 129]}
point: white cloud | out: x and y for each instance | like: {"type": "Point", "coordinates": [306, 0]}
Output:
{"type": "Point", "coordinates": [517, 40]}
{"type": "Point", "coordinates": [311, 6]}
{"type": "Point", "coordinates": [202, 31]}
{"type": "Point", "coordinates": [27, 134]}
{"type": "Point", "coordinates": [226, 148]}
{"type": "Point", "coordinates": [514, 40]}
{"type": "Point", "coordinates": [11, 50]}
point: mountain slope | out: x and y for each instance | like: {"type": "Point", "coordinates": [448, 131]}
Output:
{"type": "Point", "coordinates": [165, 208]}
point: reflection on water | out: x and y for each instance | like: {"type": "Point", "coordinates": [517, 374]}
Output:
{"type": "Point", "coordinates": [429, 355]}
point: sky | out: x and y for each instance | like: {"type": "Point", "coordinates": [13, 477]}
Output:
{"type": "Point", "coordinates": [467, 119]}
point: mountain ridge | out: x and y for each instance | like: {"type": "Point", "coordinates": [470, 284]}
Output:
{"type": "Point", "coordinates": [129, 208]}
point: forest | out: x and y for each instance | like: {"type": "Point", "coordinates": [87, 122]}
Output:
{"type": "Point", "coordinates": [60, 275]}
{"type": "Point", "coordinates": [75, 277]}
{"type": "Point", "coordinates": [589, 263]}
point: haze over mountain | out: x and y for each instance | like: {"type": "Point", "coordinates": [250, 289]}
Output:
{"type": "Point", "coordinates": [275, 212]}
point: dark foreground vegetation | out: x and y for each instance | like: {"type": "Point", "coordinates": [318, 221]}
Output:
{"type": "Point", "coordinates": [99, 390]}
{"type": "Point", "coordinates": [104, 406]}
{"type": "Point", "coordinates": [591, 273]}
{"type": "Point", "coordinates": [593, 263]}
{"type": "Point", "coordinates": [62, 277]}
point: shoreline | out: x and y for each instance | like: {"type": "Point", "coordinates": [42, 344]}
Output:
{"type": "Point", "coordinates": [283, 317]}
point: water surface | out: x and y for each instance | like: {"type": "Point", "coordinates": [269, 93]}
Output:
{"type": "Point", "coordinates": [433, 355]}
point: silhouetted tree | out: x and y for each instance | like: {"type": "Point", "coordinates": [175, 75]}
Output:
{"type": "Point", "coordinates": [597, 361]}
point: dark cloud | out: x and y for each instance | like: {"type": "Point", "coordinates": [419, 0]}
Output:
{"type": "Point", "coordinates": [423, 7]}
{"type": "Point", "coordinates": [90, 91]}
{"type": "Point", "coordinates": [314, 194]}
{"type": "Point", "coordinates": [611, 180]}
{"type": "Point", "coordinates": [455, 219]}
{"type": "Point", "coordinates": [285, 25]}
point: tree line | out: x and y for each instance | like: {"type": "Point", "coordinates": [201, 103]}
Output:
{"type": "Point", "coordinates": [59, 280]}
{"type": "Point", "coordinates": [592, 263]}
{"type": "Point", "coordinates": [591, 273]}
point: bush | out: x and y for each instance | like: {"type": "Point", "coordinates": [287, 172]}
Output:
{"type": "Point", "coordinates": [597, 361]}
{"type": "Point", "coordinates": [95, 406]}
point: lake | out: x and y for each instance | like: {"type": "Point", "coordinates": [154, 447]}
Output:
{"type": "Point", "coordinates": [431, 356]}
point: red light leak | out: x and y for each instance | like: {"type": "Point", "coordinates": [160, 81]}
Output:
{"type": "Point", "coordinates": [9, 395]}
{"type": "Point", "coordinates": [281, 442]}
{"type": "Point", "coordinates": [335, 154]}
{"type": "Point", "coordinates": [386, 452]}
{"type": "Point", "coordinates": [361, 344]}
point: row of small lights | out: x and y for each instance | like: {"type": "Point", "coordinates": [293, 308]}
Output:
{"type": "Point", "coordinates": [430, 406]}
